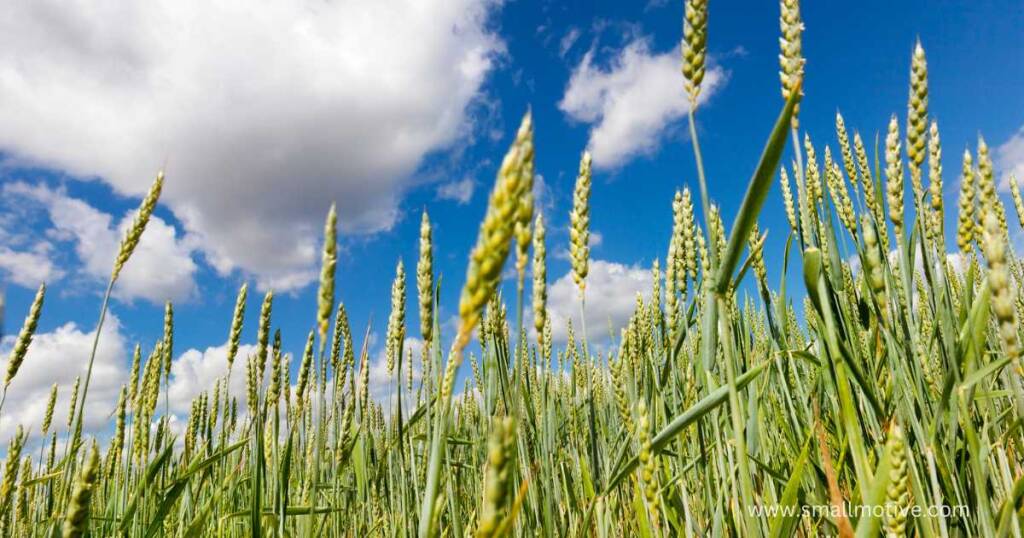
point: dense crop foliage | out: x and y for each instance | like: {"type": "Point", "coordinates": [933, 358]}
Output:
{"type": "Point", "coordinates": [884, 396]}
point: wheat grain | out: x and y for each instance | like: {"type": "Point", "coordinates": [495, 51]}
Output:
{"type": "Point", "coordinates": [579, 225]}
{"type": "Point", "coordinates": [237, 318]}
{"type": "Point", "coordinates": [791, 57]}
{"type": "Point", "coordinates": [540, 277]}
{"type": "Point", "coordinates": [694, 46]}
{"type": "Point", "coordinates": [917, 118]}
{"type": "Point", "coordinates": [396, 323]}
{"type": "Point", "coordinates": [134, 233]}
{"type": "Point", "coordinates": [24, 338]}
{"type": "Point", "coordinates": [425, 281]}
{"type": "Point", "coordinates": [328, 262]}
{"type": "Point", "coordinates": [76, 519]}
{"type": "Point", "coordinates": [894, 177]}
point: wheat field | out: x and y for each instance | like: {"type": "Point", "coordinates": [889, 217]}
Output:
{"type": "Point", "coordinates": [883, 396]}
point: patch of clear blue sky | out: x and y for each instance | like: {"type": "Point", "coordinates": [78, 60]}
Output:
{"type": "Point", "coordinates": [857, 61]}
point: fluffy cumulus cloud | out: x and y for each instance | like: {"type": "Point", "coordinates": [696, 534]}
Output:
{"type": "Point", "coordinates": [262, 117]}
{"type": "Point", "coordinates": [611, 299]}
{"type": "Point", "coordinates": [29, 267]}
{"type": "Point", "coordinates": [195, 371]}
{"type": "Point", "coordinates": [60, 357]}
{"type": "Point", "coordinates": [161, 267]}
{"type": "Point", "coordinates": [1009, 157]}
{"type": "Point", "coordinates": [631, 102]}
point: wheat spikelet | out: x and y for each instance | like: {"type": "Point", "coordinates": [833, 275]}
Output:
{"type": "Point", "coordinates": [22, 501]}
{"type": "Point", "coordinates": [987, 186]}
{"type": "Point", "coordinates": [689, 233]}
{"type": "Point", "coordinates": [117, 443]}
{"type": "Point", "coordinates": [648, 466]}
{"type": "Point", "coordinates": [285, 393]}
{"type": "Point", "coordinates": [619, 372]}
{"type": "Point", "coordinates": [274, 390]}
{"type": "Point", "coordinates": [51, 402]}
{"type": "Point", "coordinates": [11, 469]}
{"type": "Point", "coordinates": [168, 339]}
{"type": "Point", "coordinates": [396, 323]}
{"type": "Point", "coordinates": [682, 216]}
{"type": "Point", "coordinates": [211, 423]}
{"type": "Point", "coordinates": [917, 118]}
{"type": "Point", "coordinates": [791, 57]}
{"type": "Point", "coordinates": [849, 163]}
{"type": "Point", "coordinates": [717, 232]}
{"type": "Point", "coordinates": [694, 46]}
{"type": "Point", "coordinates": [76, 519]}
{"type": "Point", "coordinates": [305, 368]}
{"type": "Point", "coordinates": [815, 192]}
{"type": "Point", "coordinates": [965, 219]}
{"type": "Point", "coordinates": [24, 338]}
{"type": "Point", "coordinates": [702, 250]}
{"type": "Point", "coordinates": [349, 355]}
{"type": "Point", "coordinates": [263, 331]}
{"type": "Point", "coordinates": [131, 238]}
{"type": "Point", "coordinates": [1003, 294]}
{"type": "Point", "coordinates": [894, 176]}
{"type": "Point", "coordinates": [787, 199]}
{"type": "Point", "coordinates": [252, 380]}
{"type": "Point", "coordinates": [1018, 202]}
{"type": "Point", "coordinates": [873, 264]}
{"type": "Point", "coordinates": [546, 344]}
{"type": "Point", "coordinates": [898, 497]}
{"type": "Point", "coordinates": [540, 277]}
{"type": "Point", "coordinates": [500, 445]}
{"type": "Point", "coordinates": [579, 225]}
{"type": "Point", "coordinates": [935, 223]}
{"type": "Point", "coordinates": [74, 401]}
{"type": "Point", "coordinates": [494, 241]}
{"type": "Point", "coordinates": [805, 201]}
{"type": "Point", "coordinates": [336, 341]}
{"type": "Point", "coordinates": [756, 242]}
{"type": "Point", "coordinates": [237, 318]}
{"type": "Point", "coordinates": [871, 195]}
{"type": "Point", "coordinates": [328, 262]}
{"type": "Point", "coordinates": [671, 280]}
{"type": "Point", "coordinates": [524, 215]}
{"type": "Point", "coordinates": [364, 383]}
{"type": "Point", "coordinates": [840, 196]}
{"type": "Point", "coordinates": [133, 376]}
{"type": "Point", "coordinates": [425, 281]}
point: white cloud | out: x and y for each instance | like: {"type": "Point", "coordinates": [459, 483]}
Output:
{"type": "Point", "coordinates": [59, 357]}
{"type": "Point", "coordinates": [262, 116]}
{"type": "Point", "coordinates": [631, 103]}
{"type": "Point", "coordinates": [29, 268]}
{"type": "Point", "coordinates": [459, 191]}
{"type": "Point", "coordinates": [195, 372]}
{"type": "Point", "coordinates": [160, 268]}
{"type": "Point", "coordinates": [568, 40]}
{"type": "Point", "coordinates": [1009, 157]}
{"type": "Point", "coordinates": [611, 298]}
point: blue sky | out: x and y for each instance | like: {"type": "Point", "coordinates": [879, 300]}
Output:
{"type": "Point", "coordinates": [262, 119]}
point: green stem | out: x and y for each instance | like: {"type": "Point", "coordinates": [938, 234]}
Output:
{"type": "Point", "coordinates": [92, 357]}
{"type": "Point", "coordinates": [702, 181]}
